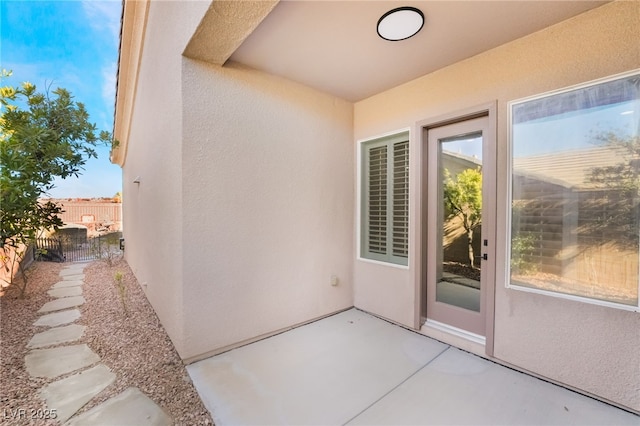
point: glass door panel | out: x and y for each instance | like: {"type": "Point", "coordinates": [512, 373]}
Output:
{"type": "Point", "coordinates": [460, 182]}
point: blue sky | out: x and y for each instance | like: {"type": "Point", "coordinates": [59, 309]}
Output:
{"type": "Point", "coordinates": [74, 45]}
{"type": "Point", "coordinates": [575, 130]}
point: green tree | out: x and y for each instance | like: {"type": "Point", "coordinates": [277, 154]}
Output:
{"type": "Point", "coordinates": [42, 136]}
{"type": "Point", "coordinates": [463, 199]}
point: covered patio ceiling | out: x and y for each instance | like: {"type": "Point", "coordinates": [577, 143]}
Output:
{"type": "Point", "coordinates": [333, 46]}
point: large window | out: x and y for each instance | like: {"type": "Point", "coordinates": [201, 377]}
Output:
{"type": "Point", "coordinates": [385, 199]}
{"type": "Point", "coordinates": [575, 191]}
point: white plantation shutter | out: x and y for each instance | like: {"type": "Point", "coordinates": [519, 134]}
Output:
{"type": "Point", "coordinates": [385, 201]}
{"type": "Point", "coordinates": [377, 194]}
{"type": "Point", "coordinates": [401, 199]}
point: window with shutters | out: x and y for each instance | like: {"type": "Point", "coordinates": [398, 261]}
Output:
{"type": "Point", "coordinates": [385, 199]}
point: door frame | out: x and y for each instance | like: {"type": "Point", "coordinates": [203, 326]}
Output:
{"type": "Point", "coordinates": [419, 209]}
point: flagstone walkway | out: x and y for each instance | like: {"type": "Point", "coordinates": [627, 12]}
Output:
{"type": "Point", "coordinates": [85, 376]}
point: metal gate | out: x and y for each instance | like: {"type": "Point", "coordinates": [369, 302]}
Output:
{"type": "Point", "coordinates": [77, 248]}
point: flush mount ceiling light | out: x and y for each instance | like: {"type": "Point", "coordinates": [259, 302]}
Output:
{"type": "Point", "coordinates": [400, 23]}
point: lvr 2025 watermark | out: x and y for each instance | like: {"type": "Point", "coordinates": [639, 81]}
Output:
{"type": "Point", "coordinates": [29, 414]}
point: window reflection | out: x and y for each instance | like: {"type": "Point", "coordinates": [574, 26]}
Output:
{"type": "Point", "coordinates": [576, 192]}
{"type": "Point", "coordinates": [461, 217]}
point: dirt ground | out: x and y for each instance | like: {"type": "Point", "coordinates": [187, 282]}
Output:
{"type": "Point", "coordinates": [128, 338]}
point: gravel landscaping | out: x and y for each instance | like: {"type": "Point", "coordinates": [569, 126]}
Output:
{"type": "Point", "coordinates": [128, 338]}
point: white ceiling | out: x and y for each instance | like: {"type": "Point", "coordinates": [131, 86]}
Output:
{"type": "Point", "coordinates": [333, 45]}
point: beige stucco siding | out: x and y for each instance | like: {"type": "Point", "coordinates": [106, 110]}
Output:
{"type": "Point", "coordinates": [152, 209]}
{"type": "Point", "coordinates": [268, 189]}
{"type": "Point", "coordinates": [592, 348]}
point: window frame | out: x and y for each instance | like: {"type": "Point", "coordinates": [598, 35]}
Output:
{"type": "Point", "coordinates": [364, 147]}
{"type": "Point", "coordinates": [509, 199]}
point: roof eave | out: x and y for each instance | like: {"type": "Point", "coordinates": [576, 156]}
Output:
{"type": "Point", "coordinates": [134, 23]}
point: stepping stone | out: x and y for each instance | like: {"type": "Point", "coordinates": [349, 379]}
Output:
{"type": "Point", "coordinates": [80, 265]}
{"type": "Point", "coordinates": [53, 362]}
{"type": "Point", "coordinates": [58, 318]}
{"type": "Point", "coordinates": [131, 407]}
{"type": "Point", "coordinates": [70, 394]}
{"type": "Point", "coordinates": [65, 291]}
{"type": "Point", "coordinates": [69, 283]}
{"type": "Point", "coordinates": [60, 304]}
{"type": "Point", "coordinates": [73, 277]}
{"type": "Point", "coordinates": [71, 271]}
{"type": "Point", "coordinates": [55, 336]}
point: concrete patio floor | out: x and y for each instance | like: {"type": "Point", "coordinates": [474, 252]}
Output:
{"type": "Point", "coordinates": [354, 368]}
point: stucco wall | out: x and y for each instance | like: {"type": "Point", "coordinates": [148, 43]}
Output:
{"type": "Point", "coordinates": [591, 348]}
{"type": "Point", "coordinates": [268, 190]}
{"type": "Point", "coordinates": [152, 209]}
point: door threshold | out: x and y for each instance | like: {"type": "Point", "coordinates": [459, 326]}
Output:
{"type": "Point", "coordinates": [454, 331]}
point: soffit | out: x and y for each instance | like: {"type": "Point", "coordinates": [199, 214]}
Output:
{"type": "Point", "coordinates": [333, 45]}
{"type": "Point", "coordinates": [224, 27]}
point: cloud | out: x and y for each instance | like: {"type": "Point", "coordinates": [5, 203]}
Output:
{"type": "Point", "coordinates": [104, 16]}
{"type": "Point", "coordinates": [109, 73]}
